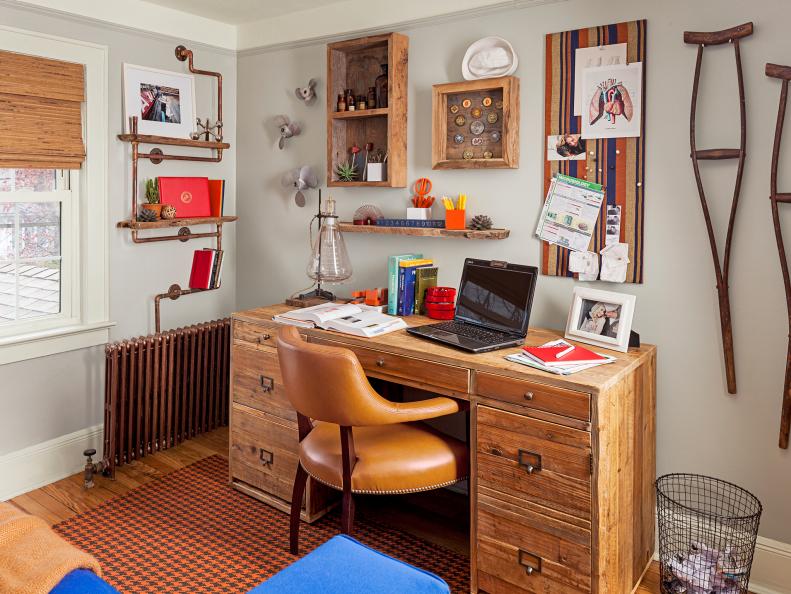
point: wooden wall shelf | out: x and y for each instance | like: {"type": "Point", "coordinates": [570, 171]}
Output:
{"type": "Point", "coordinates": [355, 64]}
{"type": "Point", "coordinates": [426, 232]}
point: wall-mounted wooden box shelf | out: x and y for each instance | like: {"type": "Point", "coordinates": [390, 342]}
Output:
{"type": "Point", "coordinates": [426, 232]}
{"type": "Point", "coordinates": [355, 64]}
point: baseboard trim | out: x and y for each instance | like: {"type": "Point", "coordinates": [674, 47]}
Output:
{"type": "Point", "coordinates": [47, 462]}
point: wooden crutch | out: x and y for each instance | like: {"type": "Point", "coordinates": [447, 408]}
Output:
{"type": "Point", "coordinates": [721, 271]}
{"type": "Point", "coordinates": [784, 74]}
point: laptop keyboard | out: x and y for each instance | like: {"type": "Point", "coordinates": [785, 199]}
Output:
{"type": "Point", "coordinates": [470, 331]}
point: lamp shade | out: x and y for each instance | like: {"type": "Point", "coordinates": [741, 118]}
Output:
{"type": "Point", "coordinates": [329, 261]}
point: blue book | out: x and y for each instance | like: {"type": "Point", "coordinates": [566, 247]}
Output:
{"type": "Point", "coordinates": [407, 276]}
{"type": "Point", "coordinates": [392, 280]}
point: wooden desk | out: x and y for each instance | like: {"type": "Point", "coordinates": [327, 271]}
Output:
{"type": "Point", "coordinates": [563, 467]}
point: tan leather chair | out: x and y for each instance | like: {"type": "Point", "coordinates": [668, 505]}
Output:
{"type": "Point", "coordinates": [355, 441]}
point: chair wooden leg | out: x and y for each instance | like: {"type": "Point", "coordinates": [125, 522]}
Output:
{"type": "Point", "coordinates": [347, 511]}
{"type": "Point", "coordinates": [296, 506]}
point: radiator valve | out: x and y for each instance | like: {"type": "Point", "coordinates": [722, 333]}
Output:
{"type": "Point", "coordinates": [91, 467]}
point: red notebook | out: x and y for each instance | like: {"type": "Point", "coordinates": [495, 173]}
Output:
{"type": "Point", "coordinates": [189, 195]}
{"type": "Point", "coordinates": [579, 356]}
{"type": "Point", "coordinates": [202, 264]}
{"type": "Point", "coordinates": [216, 196]}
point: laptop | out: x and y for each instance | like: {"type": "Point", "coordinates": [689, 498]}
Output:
{"type": "Point", "coordinates": [492, 308]}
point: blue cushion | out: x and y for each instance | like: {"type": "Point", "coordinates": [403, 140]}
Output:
{"type": "Point", "coordinates": [344, 566]}
{"type": "Point", "coordinates": [83, 581]}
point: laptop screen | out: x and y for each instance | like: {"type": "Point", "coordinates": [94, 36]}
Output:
{"type": "Point", "coordinates": [498, 296]}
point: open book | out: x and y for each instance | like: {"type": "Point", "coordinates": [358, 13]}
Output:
{"type": "Point", "coordinates": [357, 320]}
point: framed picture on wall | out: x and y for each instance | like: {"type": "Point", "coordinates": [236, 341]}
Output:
{"type": "Point", "coordinates": [164, 102]}
{"type": "Point", "coordinates": [601, 318]}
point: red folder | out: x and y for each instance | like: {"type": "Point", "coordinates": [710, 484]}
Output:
{"type": "Point", "coordinates": [202, 263]}
{"type": "Point", "coordinates": [189, 195]}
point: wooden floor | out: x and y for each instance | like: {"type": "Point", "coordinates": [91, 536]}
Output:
{"type": "Point", "coordinates": [437, 519]}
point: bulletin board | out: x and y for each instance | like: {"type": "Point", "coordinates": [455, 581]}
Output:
{"type": "Point", "coordinates": [616, 163]}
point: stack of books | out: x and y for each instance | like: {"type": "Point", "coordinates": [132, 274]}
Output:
{"type": "Point", "coordinates": [560, 357]}
{"type": "Point", "coordinates": [409, 275]}
{"type": "Point", "coordinates": [349, 318]}
{"type": "Point", "coordinates": [206, 269]}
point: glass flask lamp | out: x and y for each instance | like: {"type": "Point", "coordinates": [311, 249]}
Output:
{"type": "Point", "coordinates": [329, 260]}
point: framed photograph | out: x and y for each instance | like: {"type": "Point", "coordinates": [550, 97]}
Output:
{"type": "Point", "coordinates": [164, 102]}
{"type": "Point", "coordinates": [601, 318]}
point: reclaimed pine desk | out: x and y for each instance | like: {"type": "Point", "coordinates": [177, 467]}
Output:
{"type": "Point", "coordinates": [561, 480]}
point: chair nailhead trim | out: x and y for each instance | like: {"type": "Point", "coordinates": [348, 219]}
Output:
{"type": "Point", "coordinates": [396, 492]}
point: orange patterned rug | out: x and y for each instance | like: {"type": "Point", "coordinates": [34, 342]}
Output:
{"type": "Point", "coordinates": [191, 532]}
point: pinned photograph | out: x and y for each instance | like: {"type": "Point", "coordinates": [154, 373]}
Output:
{"type": "Point", "coordinates": [565, 147]}
{"type": "Point", "coordinates": [613, 96]}
{"type": "Point", "coordinates": [162, 101]}
{"type": "Point", "coordinates": [613, 225]}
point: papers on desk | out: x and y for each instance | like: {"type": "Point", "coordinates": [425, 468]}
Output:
{"type": "Point", "coordinates": [559, 366]}
{"type": "Point", "coordinates": [348, 318]}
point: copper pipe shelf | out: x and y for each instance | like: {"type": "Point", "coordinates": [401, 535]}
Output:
{"type": "Point", "coordinates": [171, 141]}
{"type": "Point", "coordinates": [426, 232]}
{"type": "Point", "coordinates": [167, 223]}
{"type": "Point", "coordinates": [174, 292]}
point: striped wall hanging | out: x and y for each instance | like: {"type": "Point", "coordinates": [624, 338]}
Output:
{"type": "Point", "coordinates": [616, 163]}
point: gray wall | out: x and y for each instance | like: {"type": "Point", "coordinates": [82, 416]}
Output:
{"type": "Point", "coordinates": [52, 396]}
{"type": "Point", "coordinates": [700, 427]}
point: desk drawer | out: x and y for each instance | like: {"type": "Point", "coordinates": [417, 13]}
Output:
{"type": "Point", "coordinates": [421, 371]}
{"type": "Point", "coordinates": [255, 335]}
{"type": "Point", "coordinates": [529, 552]}
{"type": "Point", "coordinates": [534, 395]}
{"type": "Point", "coordinates": [541, 462]}
{"type": "Point", "coordinates": [257, 382]}
{"type": "Point", "coordinates": [263, 453]}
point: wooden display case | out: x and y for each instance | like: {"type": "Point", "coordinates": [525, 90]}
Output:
{"type": "Point", "coordinates": [476, 124]}
{"type": "Point", "coordinates": [355, 64]}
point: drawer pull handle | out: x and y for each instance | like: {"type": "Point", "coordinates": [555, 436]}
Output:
{"type": "Point", "coordinates": [380, 362]}
{"type": "Point", "coordinates": [531, 562]}
{"type": "Point", "coordinates": [531, 461]}
{"type": "Point", "coordinates": [528, 395]}
{"type": "Point", "coordinates": [263, 338]}
{"type": "Point", "coordinates": [497, 452]}
{"type": "Point", "coordinates": [267, 457]}
{"type": "Point", "coordinates": [267, 383]}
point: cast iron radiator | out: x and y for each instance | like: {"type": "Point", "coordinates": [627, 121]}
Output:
{"type": "Point", "coordinates": [163, 389]}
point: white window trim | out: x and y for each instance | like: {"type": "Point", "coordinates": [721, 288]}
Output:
{"type": "Point", "coordinates": [91, 321]}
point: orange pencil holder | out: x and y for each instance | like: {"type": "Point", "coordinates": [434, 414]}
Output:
{"type": "Point", "coordinates": [455, 219]}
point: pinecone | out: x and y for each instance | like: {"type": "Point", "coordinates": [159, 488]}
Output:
{"type": "Point", "coordinates": [146, 216]}
{"type": "Point", "coordinates": [168, 212]}
{"type": "Point", "coordinates": [481, 222]}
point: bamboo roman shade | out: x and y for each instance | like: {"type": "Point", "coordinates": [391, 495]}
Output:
{"type": "Point", "coordinates": [40, 112]}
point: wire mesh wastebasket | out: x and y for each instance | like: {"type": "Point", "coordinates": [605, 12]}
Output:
{"type": "Point", "coordinates": [707, 533]}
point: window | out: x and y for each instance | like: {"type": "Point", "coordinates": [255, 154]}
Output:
{"type": "Point", "coordinates": [54, 291]}
{"type": "Point", "coordinates": [37, 265]}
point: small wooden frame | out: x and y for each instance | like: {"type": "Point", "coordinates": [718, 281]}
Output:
{"type": "Point", "coordinates": [461, 100]}
{"type": "Point", "coordinates": [355, 64]}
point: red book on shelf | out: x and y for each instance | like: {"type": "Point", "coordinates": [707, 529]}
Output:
{"type": "Point", "coordinates": [202, 264]}
{"type": "Point", "coordinates": [189, 195]}
{"type": "Point", "coordinates": [548, 355]}
{"type": "Point", "coordinates": [216, 195]}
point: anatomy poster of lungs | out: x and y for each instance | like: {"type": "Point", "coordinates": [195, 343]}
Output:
{"type": "Point", "coordinates": [612, 101]}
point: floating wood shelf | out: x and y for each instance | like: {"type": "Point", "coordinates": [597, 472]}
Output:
{"type": "Point", "coordinates": [426, 232]}
{"type": "Point", "coordinates": [363, 113]}
{"type": "Point", "coordinates": [360, 184]}
{"type": "Point", "coordinates": [166, 223]}
{"type": "Point", "coordinates": [170, 141]}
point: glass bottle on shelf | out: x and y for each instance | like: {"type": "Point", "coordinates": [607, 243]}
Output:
{"type": "Point", "coordinates": [372, 98]}
{"type": "Point", "coordinates": [381, 87]}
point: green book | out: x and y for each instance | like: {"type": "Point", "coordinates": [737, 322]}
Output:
{"type": "Point", "coordinates": [425, 278]}
{"type": "Point", "coordinates": [392, 280]}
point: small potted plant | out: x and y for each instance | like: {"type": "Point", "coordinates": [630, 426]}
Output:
{"type": "Point", "coordinates": [152, 197]}
{"type": "Point", "coordinates": [347, 170]}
